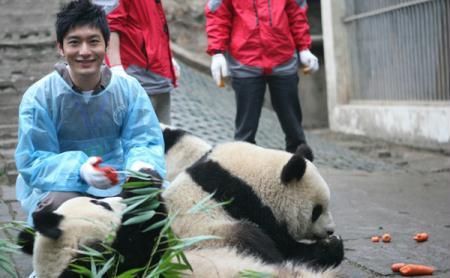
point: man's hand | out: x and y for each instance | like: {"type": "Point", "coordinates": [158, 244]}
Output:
{"type": "Point", "coordinates": [119, 70]}
{"type": "Point", "coordinates": [219, 68]}
{"type": "Point", "coordinates": [176, 68]}
{"type": "Point", "coordinates": [309, 60]}
{"type": "Point", "coordinates": [148, 171]}
{"type": "Point", "coordinates": [96, 176]}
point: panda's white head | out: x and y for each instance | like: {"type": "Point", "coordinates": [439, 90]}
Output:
{"type": "Point", "coordinates": [306, 201]}
{"type": "Point", "coordinates": [287, 188]}
{"type": "Point", "coordinates": [78, 221]}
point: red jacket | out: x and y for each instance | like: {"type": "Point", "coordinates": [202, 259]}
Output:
{"type": "Point", "coordinates": [144, 36]}
{"type": "Point", "coordinates": [258, 33]}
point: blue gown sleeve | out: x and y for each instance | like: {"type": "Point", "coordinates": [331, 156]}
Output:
{"type": "Point", "coordinates": [37, 154]}
{"type": "Point", "coordinates": [142, 138]}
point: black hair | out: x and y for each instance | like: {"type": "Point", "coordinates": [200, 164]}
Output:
{"type": "Point", "coordinates": [79, 13]}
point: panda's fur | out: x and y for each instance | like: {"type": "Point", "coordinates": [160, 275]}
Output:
{"type": "Point", "coordinates": [228, 262]}
{"type": "Point", "coordinates": [277, 200]}
{"type": "Point", "coordinates": [181, 150]}
{"type": "Point", "coordinates": [90, 222]}
{"type": "Point", "coordinates": [87, 221]}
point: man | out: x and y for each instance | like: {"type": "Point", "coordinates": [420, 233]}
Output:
{"type": "Point", "coordinates": [140, 46]}
{"type": "Point", "coordinates": [81, 115]}
{"type": "Point", "coordinates": [260, 43]}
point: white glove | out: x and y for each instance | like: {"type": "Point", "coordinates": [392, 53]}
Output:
{"type": "Point", "coordinates": [99, 177]}
{"type": "Point", "coordinates": [219, 68]}
{"type": "Point", "coordinates": [176, 69]}
{"type": "Point", "coordinates": [309, 60]}
{"type": "Point", "coordinates": [119, 70]}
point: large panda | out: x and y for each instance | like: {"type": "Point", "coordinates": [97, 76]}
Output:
{"type": "Point", "coordinates": [87, 221]}
{"type": "Point", "coordinates": [273, 201]}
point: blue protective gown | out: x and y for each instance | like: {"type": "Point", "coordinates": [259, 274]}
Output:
{"type": "Point", "coordinates": [60, 128]}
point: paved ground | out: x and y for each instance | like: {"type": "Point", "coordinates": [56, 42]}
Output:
{"type": "Point", "coordinates": [377, 187]}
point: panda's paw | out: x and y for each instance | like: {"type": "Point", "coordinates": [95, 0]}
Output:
{"type": "Point", "coordinates": [329, 252]}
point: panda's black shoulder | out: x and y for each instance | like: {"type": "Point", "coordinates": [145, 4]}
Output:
{"type": "Point", "coordinates": [172, 137]}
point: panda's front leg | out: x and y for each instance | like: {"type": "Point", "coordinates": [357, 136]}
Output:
{"type": "Point", "coordinates": [324, 253]}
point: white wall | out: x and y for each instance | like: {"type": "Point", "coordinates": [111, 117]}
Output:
{"type": "Point", "coordinates": [420, 124]}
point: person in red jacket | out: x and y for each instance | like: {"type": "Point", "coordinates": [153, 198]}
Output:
{"type": "Point", "coordinates": [139, 46]}
{"type": "Point", "coordinates": [260, 43]}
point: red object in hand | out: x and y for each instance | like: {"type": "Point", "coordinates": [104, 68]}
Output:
{"type": "Point", "coordinates": [110, 172]}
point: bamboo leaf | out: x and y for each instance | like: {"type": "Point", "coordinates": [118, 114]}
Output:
{"type": "Point", "coordinates": [140, 218]}
{"type": "Point", "coordinates": [106, 267]}
{"type": "Point", "coordinates": [199, 206]}
{"type": "Point", "coordinates": [155, 225]}
{"type": "Point", "coordinates": [186, 242]}
{"type": "Point", "coordinates": [130, 273]}
{"type": "Point", "coordinates": [133, 206]}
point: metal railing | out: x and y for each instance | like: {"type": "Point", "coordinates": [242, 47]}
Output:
{"type": "Point", "coordinates": [399, 50]}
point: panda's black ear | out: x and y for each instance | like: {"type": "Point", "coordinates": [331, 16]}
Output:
{"type": "Point", "coordinates": [171, 137]}
{"type": "Point", "coordinates": [294, 169]}
{"type": "Point", "coordinates": [47, 223]}
{"type": "Point", "coordinates": [305, 151]}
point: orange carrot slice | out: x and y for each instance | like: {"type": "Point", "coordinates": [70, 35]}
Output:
{"type": "Point", "coordinates": [396, 267]}
{"type": "Point", "coordinates": [375, 239]}
{"type": "Point", "coordinates": [416, 269]}
{"type": "Point", "coordinates": [420, 237]}
{"type": "Point", "coordinates": [386, 238]}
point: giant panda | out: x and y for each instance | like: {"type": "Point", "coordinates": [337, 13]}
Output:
{"type": "Point", "coordinates": [276, 204]}
{"type": "Point", "coordinates": [90, 222]}
{"type": "Point", "coordinates": [87, 221]}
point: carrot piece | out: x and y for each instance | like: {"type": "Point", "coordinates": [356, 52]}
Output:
{"type": "Point", "coordinates": [416, 269]}
{"type": "Point", "coordinates": [386, 238]}
{"type": "Point", "coordinates": [420, 237]}
{"type": "Point", "coordinates": [396, 267]}
{"type": "Point", "coordinates": [375, 239]}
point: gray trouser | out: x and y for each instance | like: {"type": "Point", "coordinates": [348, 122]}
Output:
{"type": "Point", "coordinates": [54, 199]}
{"type": "Point", "coordinates": [161, 105]}
{"type": "Point", "coordinates": [283, 89]}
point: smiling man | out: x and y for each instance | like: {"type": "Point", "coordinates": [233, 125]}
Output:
{"type": "Point", "coordinates": [80, 126]}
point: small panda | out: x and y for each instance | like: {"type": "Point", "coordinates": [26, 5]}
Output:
{"type": "Point", "coordinates": [276, 200]}
{"type": "Point", "coordinates": [89, 222]}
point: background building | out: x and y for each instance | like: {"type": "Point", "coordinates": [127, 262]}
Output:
{"type": "Point", "coordinates": [387, 69]}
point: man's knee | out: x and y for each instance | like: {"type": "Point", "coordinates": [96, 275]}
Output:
{"type": "Point", "coordinates": [54, 199]}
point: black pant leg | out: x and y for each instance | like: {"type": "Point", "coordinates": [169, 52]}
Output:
{"type": "Point", "coordinates": [249, 93]}
{"type": "Point", "coordinates": [285, 102]}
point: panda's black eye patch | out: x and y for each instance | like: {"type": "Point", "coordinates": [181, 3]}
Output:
{"type": "Point", "coordinates": [317, 211]}
{"type": "Point", "coordinates": [103, 204]}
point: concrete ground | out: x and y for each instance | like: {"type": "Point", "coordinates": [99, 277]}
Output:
{"type": "Point", "coordinates": [377, 187]}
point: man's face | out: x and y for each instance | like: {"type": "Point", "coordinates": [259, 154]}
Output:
{"type": "Point", "coordinates": [84, 49]}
